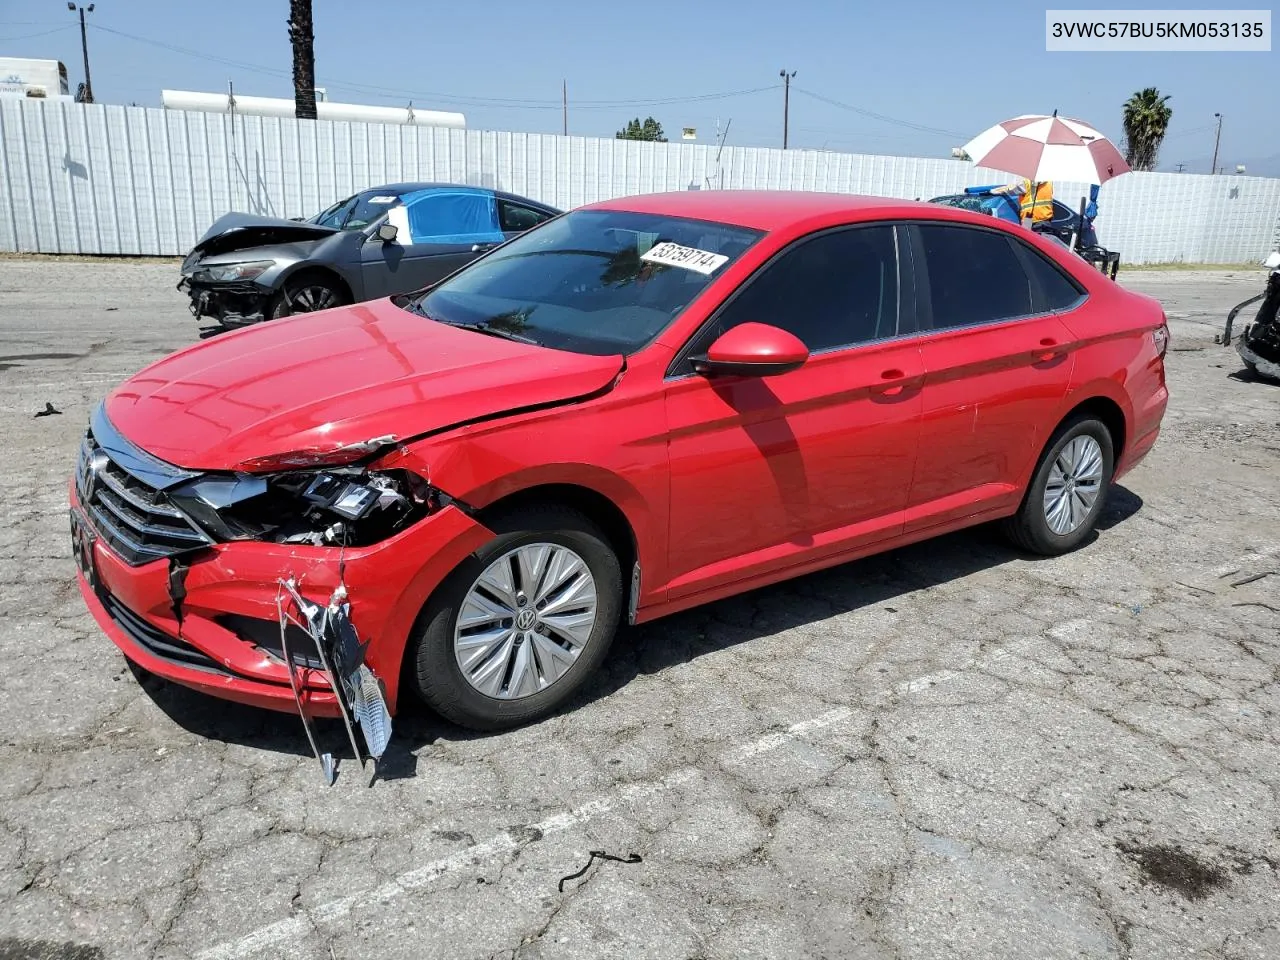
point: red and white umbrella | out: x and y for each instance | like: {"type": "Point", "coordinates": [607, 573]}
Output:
{"type": "Point", "coordinates": [1044, 148]}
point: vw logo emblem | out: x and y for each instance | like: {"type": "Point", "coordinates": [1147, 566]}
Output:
{"type": "Point", "coordinates": [94, 465]}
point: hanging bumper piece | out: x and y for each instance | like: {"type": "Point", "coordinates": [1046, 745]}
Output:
{"type": "Point", "coordinates": [358, 691]}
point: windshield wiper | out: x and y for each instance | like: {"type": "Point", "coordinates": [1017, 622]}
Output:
{"type": "Point", "coordinates": [415, 306]}
{"type": "Point", "coordinates": [491, 331]}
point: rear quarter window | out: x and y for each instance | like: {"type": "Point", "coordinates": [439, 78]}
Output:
{"type": "Point", "coordinates": [1052, 289]}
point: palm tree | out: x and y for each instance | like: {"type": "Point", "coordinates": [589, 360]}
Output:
{"type": "Point", "coordinates": [302, 36]}
{"type": "Point", "coordinates": [1146, 121]}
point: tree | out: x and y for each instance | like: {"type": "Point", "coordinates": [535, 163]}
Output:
{"type": "Point", "coordinates": [651, 129]}
{"type": "Point", "coordinates": [1146, 121]}
{"type": "Point", "coordinates": [302, 36]}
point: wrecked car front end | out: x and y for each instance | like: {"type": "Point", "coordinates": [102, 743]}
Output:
{"type": "Point", "coordinates": [229, 301]}
{"type": "Point", "coordinates": [239, 288]}
{"type": "Point", "coordinates": [236, 270]}
{"type": "Point", "coordinates": [293, 588]}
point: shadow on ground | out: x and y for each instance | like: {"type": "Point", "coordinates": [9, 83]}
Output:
{"type": "Point", "coordinates": [647, 649]}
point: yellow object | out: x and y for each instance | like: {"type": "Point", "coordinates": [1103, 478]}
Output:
{"type": "Point", "coordinates": [1037, 207]}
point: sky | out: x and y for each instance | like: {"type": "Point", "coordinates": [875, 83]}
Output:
{"type": "Point", "coordinates": [908, 78]}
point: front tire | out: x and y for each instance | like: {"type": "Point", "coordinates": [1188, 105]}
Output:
{"type": "Point", "coordinates": [1068, 490]}
{"type": "Point", "coordinates": [518, 628]}
{"type": "Point", "coordinates": [306, 294]}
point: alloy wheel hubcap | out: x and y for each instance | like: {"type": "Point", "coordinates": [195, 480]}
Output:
{"type": "Point", "coordinates": [310, 299]}
{"type": "Point", "coordinates": [524, 621]}
{"type": "Point", "coordinates": [1075, 480]}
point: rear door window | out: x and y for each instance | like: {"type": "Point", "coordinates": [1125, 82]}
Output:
{"type": "Point", "coordinates": [975, 276]}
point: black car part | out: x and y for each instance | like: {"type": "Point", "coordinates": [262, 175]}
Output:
{"type": "Point", "coordinates": [228, 303]}
{"type": "Point", "coordinates": [1259, 342]}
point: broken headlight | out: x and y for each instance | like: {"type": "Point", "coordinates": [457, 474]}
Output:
{"type": "Point", "coordinates": [229, 272]}
{"type": "Point", "coordinates": [343, 506]}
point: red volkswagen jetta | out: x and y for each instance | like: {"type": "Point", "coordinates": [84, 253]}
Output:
{"type": "Point", "coordinates": [638, 407]}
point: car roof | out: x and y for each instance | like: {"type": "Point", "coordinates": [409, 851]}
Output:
{"type": "Point", "coordinates": [771, 210]}
{"type": "Point", "coordinates": [435, 185]}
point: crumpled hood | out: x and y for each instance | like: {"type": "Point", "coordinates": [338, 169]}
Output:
{"type": "Point", "coordinates": [320, 381]}
{"type": "Point", "coordinates": [240, 231]}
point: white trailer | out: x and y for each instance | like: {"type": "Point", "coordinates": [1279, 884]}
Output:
{"type": "Point", "coordinates": [39, 79]}
{"type": "Point", "coordinates": [325, 109]}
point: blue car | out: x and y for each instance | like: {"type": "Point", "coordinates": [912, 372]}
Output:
{"type": "Point", "coordinates": [1065, 221]}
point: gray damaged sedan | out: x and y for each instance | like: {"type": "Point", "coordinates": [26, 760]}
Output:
{"type": "Point", "coordinates": [383, 241]}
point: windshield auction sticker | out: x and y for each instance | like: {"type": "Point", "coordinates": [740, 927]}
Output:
{"type": "Point", "coordinates": [689, 258]}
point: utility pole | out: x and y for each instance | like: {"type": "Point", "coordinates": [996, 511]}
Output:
{"type": "Point", "coordinates": [84, 48]}
{"type": "Point", "coordinates": [1216, 140]}
{"type": "Point", "coordinates": [1180, 166]}
{"type": "Point", "coordinates": [564, 103]}
{"type": "Point", "coordinates": [786, 103]}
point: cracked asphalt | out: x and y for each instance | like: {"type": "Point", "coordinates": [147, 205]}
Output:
{"type": "Point", "coordinates": [948, 751]}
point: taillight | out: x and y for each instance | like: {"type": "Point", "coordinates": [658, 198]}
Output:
{"type": "Point", "coordinates": [1161, 337]}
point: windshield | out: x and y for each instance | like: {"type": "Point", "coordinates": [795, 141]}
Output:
{"type": "Point", "coordinates": [356, 213]}
{"type": "Point", "coordinates": [970, 202]}
{"type": "Point", "coordinates": [591, 281]}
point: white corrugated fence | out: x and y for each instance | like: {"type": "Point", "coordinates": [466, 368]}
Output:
{"type": "Point", "coordinates": [105, 179]}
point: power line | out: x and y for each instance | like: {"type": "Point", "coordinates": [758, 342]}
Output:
{"type": "Point", "coordinates": [1188, 133]}
{"type": "Point", "coordinates": [880, 116]}
{"type": "Point", "coordinates": [400, 92]}
{"type": "Point", "coordinates": [845, 135]}
{"type": "Point", "coordinates": [275, 72]}
{"type": "Point", "coordinates": [42, 33]}
{"type": "Point", "coordinates": [698, 98]}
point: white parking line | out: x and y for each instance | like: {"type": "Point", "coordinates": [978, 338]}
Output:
{"type": "Point", "coordinates": [298, 926]}
{"type": "Point", "coordinates": [933, 679]}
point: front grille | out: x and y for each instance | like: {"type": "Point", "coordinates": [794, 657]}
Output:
{"type": "Point", "coordinates": [116, 485]}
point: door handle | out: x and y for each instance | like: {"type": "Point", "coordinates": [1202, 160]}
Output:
{"type": "Point", "coordinates": [889, 376]}
{"type": "Point", "coordinates": [1047, 354]}
{"type": "Point", "coordinates": [480, 247]}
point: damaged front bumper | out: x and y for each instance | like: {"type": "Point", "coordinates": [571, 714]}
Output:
{"type": "Point", "coordinates": [359, 694]}
{"type": "Point", "coordinates": [229, 618]}
{"type": "Point", "coordinates": [234, 304]}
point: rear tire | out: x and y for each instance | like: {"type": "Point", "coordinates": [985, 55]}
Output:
{"type": "Point", "coordinates": [553, 661]}
{"type": "Point", "coordinates": [1068, 490]}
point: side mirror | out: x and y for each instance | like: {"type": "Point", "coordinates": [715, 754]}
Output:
{"type": "Point", "coordinates": [753, 350]}
{"type": "Point", "coordinates": [387, 232]}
